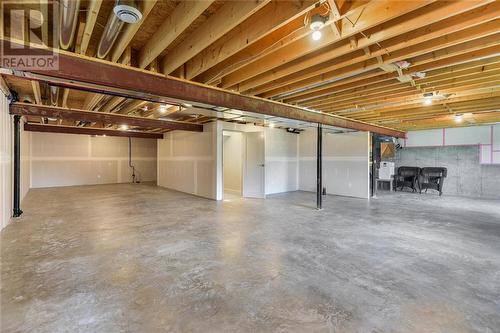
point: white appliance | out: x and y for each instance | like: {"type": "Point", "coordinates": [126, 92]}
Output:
{"type": "Point", "coordinates": [386, 170]}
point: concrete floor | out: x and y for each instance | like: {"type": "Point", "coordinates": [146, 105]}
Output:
{"type": "Point", "coordinates": [138, 258]}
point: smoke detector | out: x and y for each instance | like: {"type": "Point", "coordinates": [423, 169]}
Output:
{"type": "Point", "coordinates": [127, 11]}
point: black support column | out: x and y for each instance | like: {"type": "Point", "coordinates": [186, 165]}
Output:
{"type": "Point", "coordinates": [17, 167]}
{"type": "Point", "coordinates": [319, 168]}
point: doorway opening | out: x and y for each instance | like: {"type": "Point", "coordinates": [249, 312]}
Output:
{"type": "Point", "coordinates": [243, 164]}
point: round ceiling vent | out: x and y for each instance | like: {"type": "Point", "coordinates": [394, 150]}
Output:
{"type": "Point", "coordinates": [127, 12]}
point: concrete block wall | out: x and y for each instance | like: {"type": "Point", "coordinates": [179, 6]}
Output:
{"type": "Point", "coordinates": [466, 176]}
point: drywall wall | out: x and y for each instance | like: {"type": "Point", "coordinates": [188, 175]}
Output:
{"type": "Point", "coordinates": [25, 162]}
{"type": "Point", "coordinates": [191, 162]}
{"type": "Point", "coordinates": [70, 159]}
{"type": "Point", "coordinates": [281, 156]}
{"type": "Point", "coordinates": [232, 161]}
{"type": "Point", "coordinates": [6, 137]}
{"type": "Point", "coordinates": [281, 161]}
{"type": "Point", "coordinates": [471, 155]}
{"type": "Point", "coordinates": [346, 163]}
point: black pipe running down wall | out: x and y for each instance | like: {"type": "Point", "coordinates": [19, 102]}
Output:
{"type": "Point", "coordinates": [17, 167]}
{"type": "Point", "coordinates": [130, 158]}
{"type": "Point", "coordinates": [319, 168]}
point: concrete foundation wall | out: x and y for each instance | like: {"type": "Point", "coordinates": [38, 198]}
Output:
{"type": "Point", "coordinates": [191, 162]}
{"type": "Point", "coordinates": [70, 159]}
{"type": "Point", "coordinates": [487, 137]}
{"type": "Point", "coordinates": [466, 176]}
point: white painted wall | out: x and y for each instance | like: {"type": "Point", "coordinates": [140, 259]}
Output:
{"type": "Point", "coordinates": [232, 161]}
{"type": "Point", "coordinates": [346, 164]}
{"type": "Point", "coordinates": [486, 137]}
{"type": "Point", "coordinates": [6, 137]}
{"type": "Point", "coordinates": [7, 164]}
{"type": "Point", "coordinates": [281, 161]}
{"type": "Point", "coordinates": [70, 159]}
{"type": "Point", "coordinates": [25, 162]}
{"type": "Point", "coordinates": [191, 162]}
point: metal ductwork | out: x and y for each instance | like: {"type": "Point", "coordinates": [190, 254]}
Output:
{"type": "Point", "coordinates": [68, 11]}
{"type": "Point", "coordinates": [54, 95]}
{"type": "Point", "coordinates": [123, 12]}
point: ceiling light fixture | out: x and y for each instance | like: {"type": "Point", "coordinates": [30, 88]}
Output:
{"type": "Point", "coordinates": [316, 35]}
{"type": "Point", "coordinates": [124, 127]}
{"type": "Point", "coordinates": [459, 117]}
{"type": "Point", "coordinates": [163, 108]}
{"type": "Point", "coordinates": [317, 23]}
{"type": "Point", "coordinates": [188, 105]}
{"type": "Point", "coordinates": [271, 125]}
{"type": "Point", "coordinates": [428, 98]}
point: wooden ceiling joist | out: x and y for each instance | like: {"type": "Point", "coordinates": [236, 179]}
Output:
{"type": "Point", "coordinates": [78, 72]}
{"type": "Point", "coordinates": [458, 42]}
{"type": "Point", "coordinates": [476, 49]}
{"type": "Point", "coordinates": [92, 12]}
{"type": "Point", "coordinates": [228, 17]}
{"type": "Point", "coordinates": [271, 17]}
{"type": "Point", "coordinates": [380, 11]}
{"type": "Point", "coordinates": [4, 87]}
{"type": "Point", "coordinates": [129, 32]}
{"type": "Point", "coordinates": [373, 63]}
{"type": "Point", "coordinates": [90, 131]}
{"type": "Point", "coordinates": [24, 109]}
{"type": "Point", "coordinates": [180, 19]}
{"type": "Point", "coordinates": [422, 25]}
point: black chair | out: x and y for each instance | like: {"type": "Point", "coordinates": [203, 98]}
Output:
{"type": "Point", "coordinates": [432, 178]}
{"type": "Point", "coordinates": [407, 177]}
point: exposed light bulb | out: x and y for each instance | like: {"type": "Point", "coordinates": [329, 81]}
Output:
{"type": "Point", "coordinates": [163, 108]}
{"type": "Point", "coordinates": [316, 35]}
{"type": "Point", "coordinates": [427, 101]}
{"type": "Point", "coordinates": [271, 125]}
{"type": "Point", "coordinates": [459, 118]}
{"type": "Point", "coordinates": [124, 127]}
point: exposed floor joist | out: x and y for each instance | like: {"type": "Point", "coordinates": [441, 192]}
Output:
{"type": "Point", "coordinates": [90, 131]}
{"type": "Point", "coordinates": [78, 72]}
{"type": "Point", "coordinates": [24, 109]}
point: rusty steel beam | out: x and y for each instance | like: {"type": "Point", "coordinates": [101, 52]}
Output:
{"type": "Point", "coordinates": [90, 131]}
{"type": "Point", "coordinates": [85, 73]}
{"type": "Point", "coordinates": [24, 109]}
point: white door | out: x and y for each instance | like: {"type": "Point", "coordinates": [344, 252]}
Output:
{"type": "Point", "coordinates": [254, 172]}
